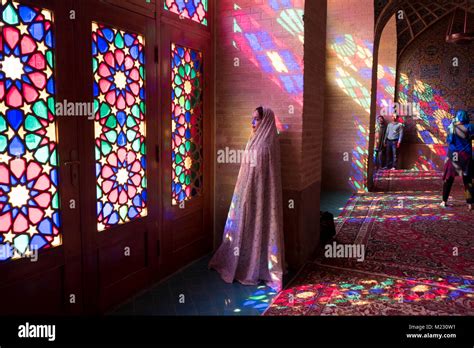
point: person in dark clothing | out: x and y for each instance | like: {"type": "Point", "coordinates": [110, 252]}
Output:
{"type": "Point", "coordinates": [459, 160]}
{"type": "Point", "coordinates": [380, 129]}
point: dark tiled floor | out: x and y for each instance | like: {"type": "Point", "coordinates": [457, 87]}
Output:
{"type": "Point", "coordinates": [334, 201]}
{"type": "Point", "coordinates": [198, 291]}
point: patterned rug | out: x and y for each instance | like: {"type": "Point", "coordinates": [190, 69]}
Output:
{"type": "Point", "coordinates": [418, 257]}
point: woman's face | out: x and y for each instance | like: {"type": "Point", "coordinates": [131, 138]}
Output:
{"type": "Point", "coordinates": [256, 120]}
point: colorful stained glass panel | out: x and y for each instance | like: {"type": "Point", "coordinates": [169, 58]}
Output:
{"type": "Point", "coordinates": [119, 105]}
{"type": "Point", "coordinates": [195, 10]}
{"type": "Point", "coordinates": [186, 114]}
{"type": "Point", "coordinates": [29, 199]}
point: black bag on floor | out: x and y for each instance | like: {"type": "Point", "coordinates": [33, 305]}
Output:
{"type": "Point", "coordinates": [328, 228]}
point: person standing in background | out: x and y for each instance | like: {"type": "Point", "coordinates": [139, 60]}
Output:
{"type": "Point", "coordinates": [380, 129]}
{"type": "Point", "coordinates": [392, 140]}
{"type": "Point", "coordinates": [459, 161]}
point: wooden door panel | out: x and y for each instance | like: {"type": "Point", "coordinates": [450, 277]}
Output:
{"type": "Point", "coordinates": [143, 7]}
{"type": "Point", "coordinates": [45, 286]}
{"type": "Point", "coordinates": [117, 257]}
{"type": "Point", "coordinates": [187, 230]}
{"type": "Point", "coordinates": [186, 233]}
{"type": "Point", "coordinates": [122, 258]}
{"type": "Point", "coordinates": [39, 294]}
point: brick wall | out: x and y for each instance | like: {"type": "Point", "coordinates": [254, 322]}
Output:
{"type": "Point", "coordinates": [387, 62]}
{"type": "Point", "coordinates": [350, 32]}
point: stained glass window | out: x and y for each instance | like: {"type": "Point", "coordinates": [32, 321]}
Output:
{"type": "Point", "coordinates": [186, 113]}
{"type": "Point", "coordinates": [119, 105]}
{"type": "Point", "coordinates": [29, 201]}
{"type": "Point", "coordinates": [195, 10]}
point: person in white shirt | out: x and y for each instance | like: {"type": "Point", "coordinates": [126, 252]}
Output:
{"type": "Point", "coordinates": [392, 141]}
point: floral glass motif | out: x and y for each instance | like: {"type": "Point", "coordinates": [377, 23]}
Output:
{"type": "Point", "coordinates": [119, 105]}
{"type": "Point", "coordinates": [186, 114]}
{"type": "Point", "coordinates": [29, 198]}
{"type": "Point", "coordinates": [195, 10]}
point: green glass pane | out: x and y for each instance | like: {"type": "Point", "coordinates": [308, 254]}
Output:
{"type": "Point", "coordinates": [55, 201]}
{"type": "Point", "coordinates": [136, 145]}
{"type": "Point", "coordinates": [32, 124]}
{"type": "Point", "coordinates": [119, 40]}
{"type": "Point", "coordinates": [32, 141]}
{"type": "Point", "coordinates": [40, 109]}
{"type": "Point", "coordinates": [3, 124]}
{"type": "Point", "coordinates": [98, 192]}
{"type": "Point", "coordinates": [49, 58]}
{"type": "Point", "coordinates": [131, 134]}
{"type": "Point", "coordinates": [111, 122]}
{"type": "Point", "coordinates": [42, 154]}
{"type": "Point", "coordinates": [104, 110]}
{"type": "Point", "coordinates": [3, 143]}
{"type": "Point", "coordinates": [9, 15]}
{"type": "Point", "coordinates": [136, 111]}
{"type": "Point", "coordinates": [53, 160]}
{"type": "Point", "coordinates": [105, 147]}
{"type": "Point", "coordinates": [51, 105]}
{"type": "Point", "coordinates": [111, 136]}
{"type": "Point", "coordinates": [123, 211]}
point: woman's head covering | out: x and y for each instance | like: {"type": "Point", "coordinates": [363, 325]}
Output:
{"type": "Point", "coordinates": [462, 117]}
{"type": "Point", "coordinates": [266, 130]}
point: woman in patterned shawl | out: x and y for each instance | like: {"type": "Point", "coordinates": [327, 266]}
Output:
{"type": "Point", "coordinates": [252, 246]}
{"type": "Point", "coordinates": [459, 160]}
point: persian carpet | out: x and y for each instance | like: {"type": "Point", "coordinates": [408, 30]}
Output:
{"type": "Point", "coordinates": [418, 260]}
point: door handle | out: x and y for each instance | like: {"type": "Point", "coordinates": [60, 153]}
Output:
{"type": "Point", "coordinates": [74, 168]}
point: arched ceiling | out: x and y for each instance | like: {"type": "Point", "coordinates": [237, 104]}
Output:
{"type": "Point", "coordinates": [418, 15]}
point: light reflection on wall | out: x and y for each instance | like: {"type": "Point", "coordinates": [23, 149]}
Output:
{"type": "Point", "coordinates": [280, 61]}
{"type": "Point", "coordinates": [436, 114]}
{"type": "Point", "coordinates": [353, 74]}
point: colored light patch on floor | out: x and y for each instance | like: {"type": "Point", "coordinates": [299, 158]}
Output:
{"type": "Point", "coordinates": [338, 291]}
